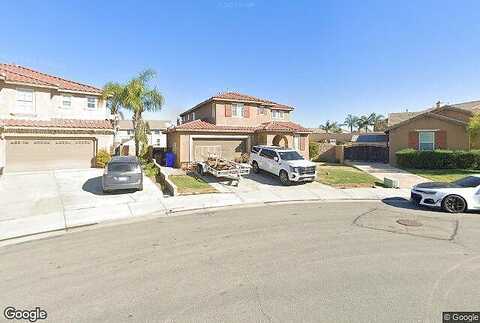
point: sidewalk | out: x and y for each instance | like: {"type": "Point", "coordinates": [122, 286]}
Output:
{"type": "Point", "coordinates": [168, 206]}
{"type": "Point", "coordinates": [381, 170]}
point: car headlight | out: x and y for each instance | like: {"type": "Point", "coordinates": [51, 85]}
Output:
{"type": "Point", "coordinates": [294, 169]}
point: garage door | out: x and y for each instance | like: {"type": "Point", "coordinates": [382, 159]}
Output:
{"type": "Point", "coordinates": [45, 154]}
{"type": "Point", "coordinates": [224, 148]}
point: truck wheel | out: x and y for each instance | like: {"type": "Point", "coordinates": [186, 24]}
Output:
{"type": "Point", "coordinates": [255, 167]}
{"type": "Point", "coordinates": [284, 178]}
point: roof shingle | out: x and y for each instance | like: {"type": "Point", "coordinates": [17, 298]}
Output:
{"type": "Point", "coordinates": [57, 123]}
{"type": "Point", "coordinates": [200, 125]}
{"type": "Point", "coordinates": [20, 74]}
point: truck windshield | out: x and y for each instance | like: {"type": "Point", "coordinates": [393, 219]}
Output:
{"type": "Point", "coordinates": [290, 155]}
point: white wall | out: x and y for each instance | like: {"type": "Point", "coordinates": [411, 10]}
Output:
{"type": "Point", "coordinates": [2, 154]}
{"type": "Point", "coordinates": [48, 105]}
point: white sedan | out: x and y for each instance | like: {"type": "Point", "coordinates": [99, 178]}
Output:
{"type": "Point", "coordinates": [454, 197]}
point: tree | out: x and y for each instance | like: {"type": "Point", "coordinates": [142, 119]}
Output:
{"type": "Point", "coordinates": [137, 96]}
{"type": "Point", "coordinates": [363, 123]}
{"type": "Point", "coordinates": [112, 93]}
{"type": "Point", "coordinates": [473, 129]}
{"type": "Point", "coordinates": [331, 126]}
{"type": "Point", "coordinates": [376, 121]}
{"type": "Point", "coordinates": [351, 121]}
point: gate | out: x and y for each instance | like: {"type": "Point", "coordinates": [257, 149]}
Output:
{"type": "Point", "coordinates": [367, 153]}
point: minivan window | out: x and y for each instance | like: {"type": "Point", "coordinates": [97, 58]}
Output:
{"type": "Point", "coordinates": [123, 167]}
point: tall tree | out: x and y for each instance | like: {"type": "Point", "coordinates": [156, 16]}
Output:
{"type": "Point", "coordinates": [137, 96]}
{"type": "Point", "coordinates": [376, 121]}
{"type": "Point", "coordinates": [331, 126]}
{"type": "Point", "coordinates": [351, 121]}
{"type": "Point", "coordinates": [363, 123]}
{"type": "Point", "coordinates": [112, 93]}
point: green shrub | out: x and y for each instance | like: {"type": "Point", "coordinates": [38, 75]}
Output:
{"type": "Point", "coordinates": [150, 170]}
{"type": "Point", "coordinates": [102, 158]}
{"type": "Point", "coordinates": [313, 150]}
{"type": "Point", "coordinates": [439, 159]}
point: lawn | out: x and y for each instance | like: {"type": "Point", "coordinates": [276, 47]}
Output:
{"type": "Point", "coordinates": [187, 184]}
{"type": "Point", "coordinates": [442, 175]}
{"type": "Point", "coordinates": [344, 176]}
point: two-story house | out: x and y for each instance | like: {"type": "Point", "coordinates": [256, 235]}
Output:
{"type": "Point", "coordinates": [47, 122]}
{"type": "Point", "coordinates": [124, 143]}
{"type": "Point", "coordinates": [228, 124]}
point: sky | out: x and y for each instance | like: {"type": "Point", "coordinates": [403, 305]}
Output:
{"type": "Point", "coordinates": [326, 58]}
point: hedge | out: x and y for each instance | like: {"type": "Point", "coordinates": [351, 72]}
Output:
{"type": "Point", "coordinates": [439, 159]}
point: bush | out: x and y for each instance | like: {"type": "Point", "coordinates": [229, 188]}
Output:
{"type": "Point", "coordinates": [439, 159]}
{"type": "Point", "coordinates": [102, 158]}
{"type": "Point", "coordinates": [313, 150]}
{"type": "Point", "coordinates": [150, 170]}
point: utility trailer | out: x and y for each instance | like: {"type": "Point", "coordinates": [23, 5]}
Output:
{"type": "Point", "coordinates": [222, 168]}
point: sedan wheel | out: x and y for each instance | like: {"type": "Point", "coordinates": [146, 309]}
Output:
{"type": "Point", "coordinates": [284, 178]}
{"type": "Point", "coordinates": [454, 204]}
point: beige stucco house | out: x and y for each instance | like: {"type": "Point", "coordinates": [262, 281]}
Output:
{"type": "Point", "coordinates": [441, 127]}
{"type": "Point", "coordinates": [47, 122]}
{"type": "Point", "coordinates": [229, 124]}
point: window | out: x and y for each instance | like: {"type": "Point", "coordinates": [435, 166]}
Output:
{"type": "Point", "coordinates": [157, 132]}
{"type": "Point", "coordinates": [193, 115]}
{"type": "Point", "coordinates": [277, 114]}
{"type": "Point", "coordinates": [469, 181]}
{"type": "Point", "coordinates": [426, 140]}
{"type": "Point", "coordinates": [290, 155]}
{"type": "Point", "coordinates": [261, 111]}
{"type": "Point", "coordinates": [267, 153]}
{"type": "Point", "coordinates": [255, 149]}
{"type": "Point", "coordinates": [237, 110]}
{"type": "Point", "coordinates": [91, 102]}
{"type": "Point", "coordinates": [25, 102]}
{"type": "Point", "coordinates": [159, 142]}
{"type": "Point", "coordinates": [296, 142]}
{"type": "Point", "coordinates": [66, 101]}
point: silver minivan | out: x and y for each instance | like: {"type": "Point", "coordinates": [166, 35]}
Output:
{"type": "Point", "coordinates": [122, 173]}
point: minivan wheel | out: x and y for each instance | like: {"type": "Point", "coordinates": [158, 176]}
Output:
{"type": "Point", "coordinates": [454, 204]}
{"type": "Point", "coordinates": [284, 178]}
{"type": "Point", "coordinates": [255, 167]}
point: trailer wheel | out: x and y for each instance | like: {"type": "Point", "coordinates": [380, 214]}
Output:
{"type": "Point", "coordinates": [200, 169]}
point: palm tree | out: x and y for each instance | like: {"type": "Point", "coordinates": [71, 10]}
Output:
{"type": "Point", "coordinates": [112, 93]}
{"type": "Point", "coordinates": [351, 121]}
{"type": "Point", "coordinates": [331, 126]}
{"type": "Point", "coordinates": [363, 123]}
{"type": "Point", "coordinates": [138, 97]}
{"type": "Point", "coordinates": [376, 120]}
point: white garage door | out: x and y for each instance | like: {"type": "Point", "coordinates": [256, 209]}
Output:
{"type": "Point", "coordinates": [34, 154]}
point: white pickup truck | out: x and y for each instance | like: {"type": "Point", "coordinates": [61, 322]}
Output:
{"type": "Point", "coordinates": [288, 164]}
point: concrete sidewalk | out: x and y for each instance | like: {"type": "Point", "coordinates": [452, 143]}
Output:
{"type": "Point", "coordinates": [65, 208]}
{"type": "Point", "coordinates": [381, 170]}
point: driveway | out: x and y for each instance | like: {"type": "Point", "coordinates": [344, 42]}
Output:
{"type": "Point", "coordinates": [381, 170]}
{"type": "Point", "coordinates": [56, 199]}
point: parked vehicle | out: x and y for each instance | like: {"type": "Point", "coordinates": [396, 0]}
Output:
{"type": "Point", "coordinates": [288, 164]}
{"type": "Point", "coordinates": [455, 197]}
{"type": "Point", "coordinates": [122, 172]}
{"type": "Point", "coordinates": [223, 168]}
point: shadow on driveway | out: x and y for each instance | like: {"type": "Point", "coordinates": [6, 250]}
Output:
{"type": "Point", "coordinates": [94, 185]}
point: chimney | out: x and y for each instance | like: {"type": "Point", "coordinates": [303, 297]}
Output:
{"type": "Point", "coordinates": [438, 104]}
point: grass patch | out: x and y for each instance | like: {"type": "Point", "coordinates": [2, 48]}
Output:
{"type": "Point", "coordinates": [188, 184]}
{"type": "Point", "coordinates": [443, 175]}
{"type": "Point", "coordinates": [345, 176]}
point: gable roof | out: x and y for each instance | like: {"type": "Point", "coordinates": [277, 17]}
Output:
{"type": "Point", "coordinates": [273, 126]}
{"type": "Point", "coordinates": [16, 74]}
{"type": "Point", "coordinates": [428, 113]}
{"type": "Point", "coordinates": [239, 97]}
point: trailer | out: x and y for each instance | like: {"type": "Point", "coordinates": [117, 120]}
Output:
{"type": "Point", "coordinates": [228, 169]}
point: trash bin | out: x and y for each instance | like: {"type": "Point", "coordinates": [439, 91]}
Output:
{"type": "Point", "coordinates": [169, 159]}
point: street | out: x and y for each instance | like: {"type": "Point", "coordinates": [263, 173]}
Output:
{"type": "Point", "coordinates": [305, 262]}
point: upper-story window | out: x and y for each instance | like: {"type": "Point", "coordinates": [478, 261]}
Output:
{"type": "Point", "coordinates": [262, 111]}
{"type": "Point", "coordinates": [25, 101]}
{"type": "Point", "coordinates": [66, 101]}
{"type": "Point", "coordinates": [193, 115]}
{"type": "Point", "coordinates": [91, 102]}
{"type": "Point", "coordinates": [237, 109]}
{"type": "Point", "coordinates": [278, 114]}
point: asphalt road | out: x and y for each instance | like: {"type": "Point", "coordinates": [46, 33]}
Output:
{"type": "Point", "coordinates": [318, 262]}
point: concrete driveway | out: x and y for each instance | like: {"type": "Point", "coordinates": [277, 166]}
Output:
{"type": "Point", "coordinates": [54, 200]}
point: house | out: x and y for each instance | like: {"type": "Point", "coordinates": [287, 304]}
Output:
{"type": "Point", "coordinates": [47, 122]}
{"type": "Point", "coordinates": [229, 124]}
{"type": "Point", "coordinates": [441, 127]}
{"type": "Point", "coordinates": [124, 136]}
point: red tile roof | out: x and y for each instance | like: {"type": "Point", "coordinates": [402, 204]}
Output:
{"type": "Point", "coordinates": [239, 97]}
{"type": "Point", "coordinates": [19, 74]}
{"type": "Point", "coordinates": [57, 123]}
{"type": "Point", "coordinates": [274, 126]}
